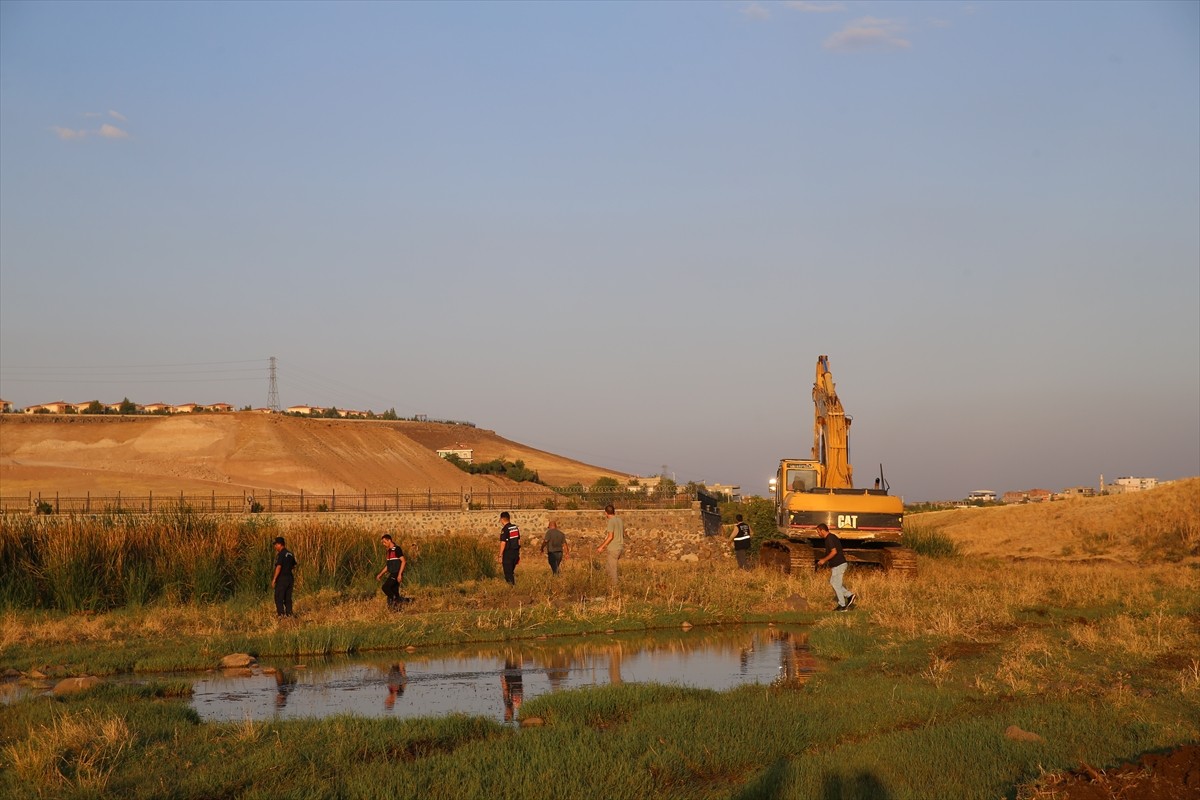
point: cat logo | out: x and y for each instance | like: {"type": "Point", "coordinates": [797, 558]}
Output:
{"type": "Point", "coordinates": [847, 521]}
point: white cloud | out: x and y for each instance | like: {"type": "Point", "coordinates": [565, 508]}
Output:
{"type": "Point", "coordinates": [869, 33]}
{"type": "Point", "coordinates": [66, 134]}
{"type": "Point", "coordinates": [755, 10]}
{"type": "Point", "coordinates": [117, 115]}
{"type": "Point", "coordinates": [112, 132]}
{"type": "Point", "coordinates": [814, 8]}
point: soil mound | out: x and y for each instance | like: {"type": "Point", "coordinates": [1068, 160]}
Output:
{"type": "Point", "coordinates": [255, 452]}
{"type": "Point", "coordinates": [1171, 776]}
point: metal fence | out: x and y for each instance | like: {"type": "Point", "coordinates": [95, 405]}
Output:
{"type": "Point", "coordinates": [271, 502]}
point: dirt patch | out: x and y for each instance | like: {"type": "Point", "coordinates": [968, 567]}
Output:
{"type": "Point", "coordinates": [1156, 776]}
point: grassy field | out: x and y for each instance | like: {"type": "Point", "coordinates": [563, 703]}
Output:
{"type": "Point", "coordinates": [1098, 659]}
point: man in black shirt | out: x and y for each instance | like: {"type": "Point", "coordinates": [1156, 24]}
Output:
{"type": "Point", "coordinates": [282, 579]}
{"type": "Point", "coordinates": [510, 547]}
{"type": "Point", "coordinates": [836, 559]}
{"type": "Point", "coordinates": [394, 563]}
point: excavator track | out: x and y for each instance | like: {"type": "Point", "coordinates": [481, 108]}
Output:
{"type": "Point", "coordinates": [787, 556]}
{"type": "Point", "coordinates": [900, 560]}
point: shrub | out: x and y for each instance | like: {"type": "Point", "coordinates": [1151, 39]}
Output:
{"type": "Point", "coordinates": [930, 542]}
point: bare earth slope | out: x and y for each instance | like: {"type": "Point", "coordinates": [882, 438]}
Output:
{"type": "Point", "coordinates": [1157, 525]}
{"type": "Point", "coordinates": [76, 454]}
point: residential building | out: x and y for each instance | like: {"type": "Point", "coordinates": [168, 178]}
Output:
{"type": "Point", "coordinates": [57, 407]}
{"type": "Point", "coordinates": [982, 496]}
{"type": "Point", "coordinates": [464, 454]}
{"type": "Point", "coordinates": [6, 407]}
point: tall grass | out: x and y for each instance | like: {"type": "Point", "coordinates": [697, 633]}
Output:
{"type": "Point", "coordinates": [94, 563]}
{"type": "Point", "coordinates": [929, 541]}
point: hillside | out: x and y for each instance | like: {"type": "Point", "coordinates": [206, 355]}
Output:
{"type": "Point", "coordinates": [1162, 524]}
{"type": "Point", "coordinates": [255, 452]}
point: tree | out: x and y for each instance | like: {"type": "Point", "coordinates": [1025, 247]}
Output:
{"type": "Point", "coordinates": [666, 489]}
{"type": "Point", "coordinates": [94, 407]}
{"type": "Point", "coordinates": [127, 407]}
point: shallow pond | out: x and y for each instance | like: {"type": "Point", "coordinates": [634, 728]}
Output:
{"type": "Point", "coordinates": [493, 680]}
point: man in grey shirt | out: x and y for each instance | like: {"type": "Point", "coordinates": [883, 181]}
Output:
{"type": "Point", "coordinates": [554, 545]}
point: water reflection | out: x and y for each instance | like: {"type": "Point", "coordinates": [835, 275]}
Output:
{"type": "Point", "coordinates": [397, 679]}
{"type": "Point", "coordinates": [464, 679]}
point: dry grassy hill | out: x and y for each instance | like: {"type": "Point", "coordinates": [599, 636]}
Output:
{"type": "Point", "coordinates": [1162, 524]}
{"type": "Point", "coordinates": [256, 452]}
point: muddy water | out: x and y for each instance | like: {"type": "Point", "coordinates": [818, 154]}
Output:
{"type": "Point", "coordinates": [493, 681]}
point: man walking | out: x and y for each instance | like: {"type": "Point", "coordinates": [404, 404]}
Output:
{"type": "Point", "coordinates": [837, 562]}
{"type": "Point", "coordinates": [741, 543]}
{"type": "Point", "coordinates": [614, 542]}
{"type": "Point", "coordinates": [282, 579]}
{"type": "Point", "coordinates": [554, 545]}
{"type": "Point", "coordinates": [510, 547]}
{"type": "Point", "coordinates": [394, 563]}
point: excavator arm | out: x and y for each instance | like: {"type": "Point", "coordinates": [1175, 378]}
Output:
{"type": "Point", "coordinates": [831, 431]}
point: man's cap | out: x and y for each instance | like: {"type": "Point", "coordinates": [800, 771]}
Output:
{"type": "Point", "coordinates": [279, 540]}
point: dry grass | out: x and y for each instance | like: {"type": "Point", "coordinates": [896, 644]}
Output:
{"type": "Point", "coordinates": [77, 749]}
{"type": "Point", "coordinates": [1161, 524]}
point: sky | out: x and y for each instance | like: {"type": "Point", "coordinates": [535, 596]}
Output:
{"type": "Point", "coordinates": [624, 231]}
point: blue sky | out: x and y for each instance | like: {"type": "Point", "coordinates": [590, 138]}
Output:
{"type": "Point", "coordinates": [624, 232]}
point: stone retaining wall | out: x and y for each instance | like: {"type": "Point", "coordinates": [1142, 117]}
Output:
{"type": "Point", "coordinates": [655, 534]}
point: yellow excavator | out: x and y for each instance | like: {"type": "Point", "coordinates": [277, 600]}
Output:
{"type": "Point", "coordinates": [821, 489]}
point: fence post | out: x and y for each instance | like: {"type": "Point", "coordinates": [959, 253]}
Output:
{"type": "Point", "coordinates": [429, 498]}
{"type": "Point", "coordinates": [213, 503]}
{"type": "Point", "coordinates": [333, 500]}
{"type": "Point", "coordinates": [87, 504]}
{"type": "Point", "coordinates": [118, 501]}
{"type": "Point", "coordinates": [56, 502]}
{"type": "Point", "coordinates": [301, 501]}
{"type": "Point", "coordinates": [270, 503]}
{"type": "Point", "coordinates": [364, 499]}
{"type": "Point", "coordinates": [150, 503]}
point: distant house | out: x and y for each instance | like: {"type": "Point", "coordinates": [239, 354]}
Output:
{"type": "Point", "coordinates": [1028, 496]}
{"type": "Point", "coordinates": [6, 407]}
{"type": "Point", "coordinates": [57, 407]}
{"type": "Point", "coordinates": [982, 496]}
{"type": "Point", "coordinates": [182, 408]}
{"type": "Point", "coordinates": [219, 408]}
{"type": "Point", "coordinates": [648, 484]}
{"type": "Point", "coordinates": [1078, 491]}
{"type": "Point", "coordinates": [733, 492]}
{"type": "Point", "coordinates": [156, 408]}
{"type": "Point", "coordinates": [309, 410]}
{"type": "Point", "coordinates": [464, 454]}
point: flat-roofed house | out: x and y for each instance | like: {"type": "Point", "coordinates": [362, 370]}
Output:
{"type": "Point", "coordinates": [156, 408]}
{"type": "Point", "coordinates": [464, 454]}
{"type": "Point", "coordinates": [6, 407]}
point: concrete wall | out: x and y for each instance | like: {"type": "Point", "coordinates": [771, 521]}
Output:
{"type": "Point", "coordinates": [654, 534]}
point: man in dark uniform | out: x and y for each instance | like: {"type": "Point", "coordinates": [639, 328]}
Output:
{"type": "Point", "coordinates": [741, 543]}
{"type": "Point", "coordinates": [282, 579]}
{"type": "Point", "coordinates": [394, 563]}
{"type": "Point", "coordinates": [837, 568]}
{"type": "Point", "coordinates": [510, 547]}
